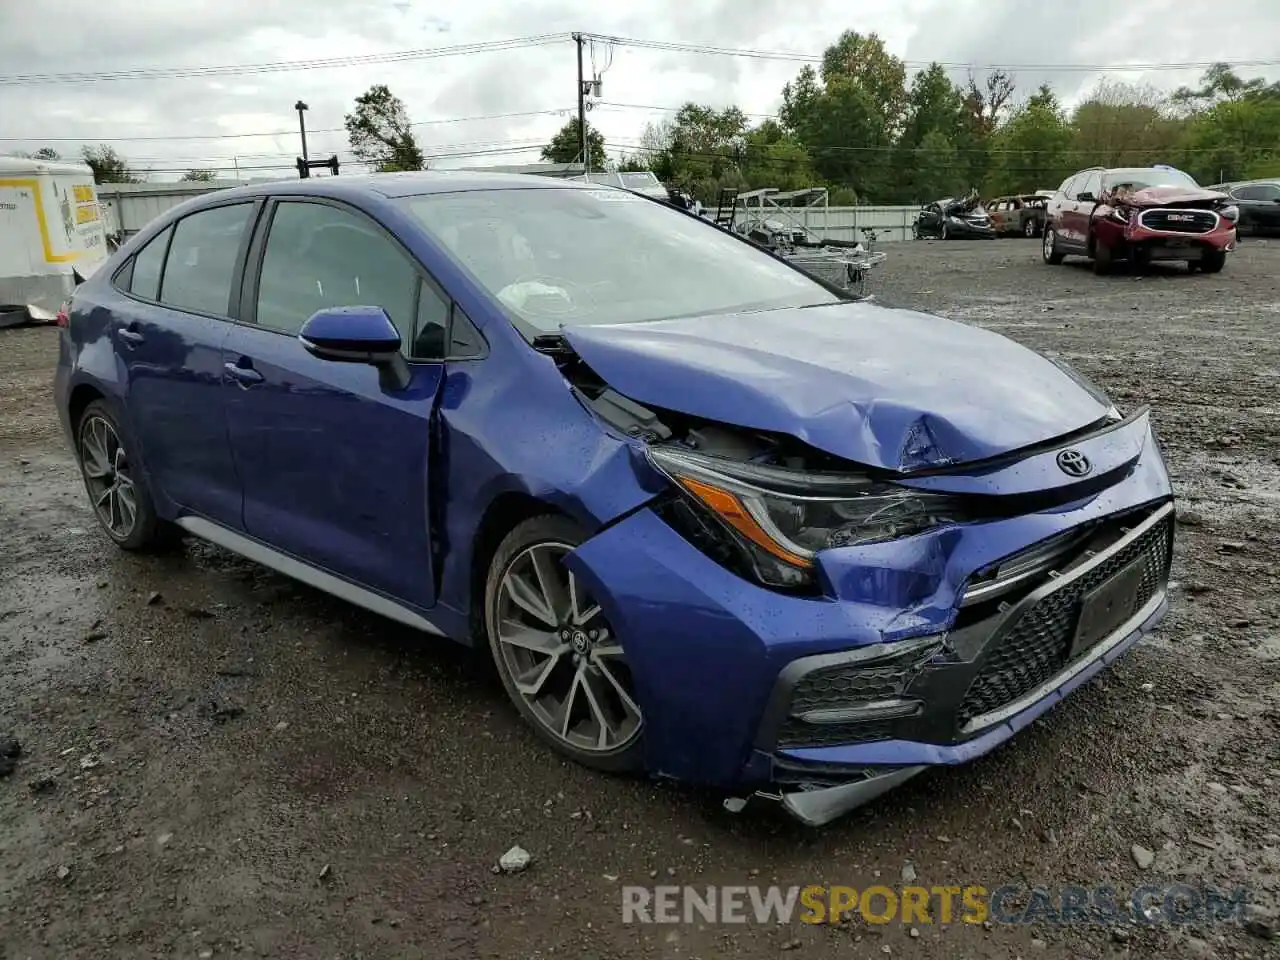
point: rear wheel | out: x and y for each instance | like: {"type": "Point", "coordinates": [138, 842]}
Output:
{"type": "Point", "coordinates": [1213, 261]}
{"type": "Point", "coordinates": [1049, 247]}
{"type": "Point", "coordinates": [558, 656]}
{"type": "Point", "coordinates": [117, 490]}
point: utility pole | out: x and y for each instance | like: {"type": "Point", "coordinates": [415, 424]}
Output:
{"type": "Point", "coordinates": [302, 126]}
{"type": "Point", "coordinates": [582, 109]}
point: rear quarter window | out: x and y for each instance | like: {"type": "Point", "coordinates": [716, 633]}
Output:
{"type": "Point", "coordinates": [142, 277]}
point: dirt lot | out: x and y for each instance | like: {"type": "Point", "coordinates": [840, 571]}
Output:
{"type": "Point", "coordinates": [216, 761]}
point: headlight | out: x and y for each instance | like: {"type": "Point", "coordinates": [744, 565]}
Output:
{"type": "Point", "coordinates": [1120, 214]}
{"type": "Point", "coordinates": [782, 518]}
{"type": "Point", "coordinates": [1230, 212]}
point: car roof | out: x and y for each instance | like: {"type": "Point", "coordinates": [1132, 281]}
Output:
{"type": "Point", "coordinates": [408, 184]}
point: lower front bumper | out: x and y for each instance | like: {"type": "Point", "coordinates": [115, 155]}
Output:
{"type": "Point", "coordinates": [870, 767]}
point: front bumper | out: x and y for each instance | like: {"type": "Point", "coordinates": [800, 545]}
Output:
{"type": "Point", "coordinates": [1163, 239]}
{"type": "Point", "coordinates": [967, 230]}
{"type": "Point", "coordinates": [716, 661]}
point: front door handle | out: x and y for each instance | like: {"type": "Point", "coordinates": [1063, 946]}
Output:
{"type": "Point", "coordinates": [131, 336]}
{"type": "Point", "coordinates": [242, 371]}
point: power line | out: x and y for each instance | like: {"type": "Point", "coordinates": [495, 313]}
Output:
{"type": "Point", "coordinates": [760, 153]}
{"type": "Point", "coordinates": [345, 155]}
{"type": "Point", "coordinates": [257, 168]}
{"type": "Point", "coordinates": [517, 43]}
{"type": "Point", "coordinates": [277, 133]}
{"type": "Point", "coordinates": [788, 55]}
{"type": "Point", "coordinates": [283, 66]}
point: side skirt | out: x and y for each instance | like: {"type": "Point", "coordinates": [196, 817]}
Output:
{"type": "Point", "coordinates": [259, 552]}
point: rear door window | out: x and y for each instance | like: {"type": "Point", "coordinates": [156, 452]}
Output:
{"type": "Point", "coordinates": [202, 259]}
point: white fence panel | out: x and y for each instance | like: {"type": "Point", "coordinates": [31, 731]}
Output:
{"type": "Point", "coordinates": [848, 223]}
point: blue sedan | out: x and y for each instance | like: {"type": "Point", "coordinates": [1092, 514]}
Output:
{"type": "Point", "coordinates": [712, 518]}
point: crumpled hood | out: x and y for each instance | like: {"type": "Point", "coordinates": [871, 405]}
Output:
{"type": "Point", "coordinates": [1163, 196]}
{"type": "Point", "coordinates": [886, 388]}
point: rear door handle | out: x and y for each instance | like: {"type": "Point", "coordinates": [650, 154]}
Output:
{"type": "Point", "coordinates": [242, 371]}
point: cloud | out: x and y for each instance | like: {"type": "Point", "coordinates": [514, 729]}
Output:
{"type": "Point", "coordinates": [246, 122]}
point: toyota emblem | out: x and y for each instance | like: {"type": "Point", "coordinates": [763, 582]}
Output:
{"type": "Point", "coordinates": [1074, 463]}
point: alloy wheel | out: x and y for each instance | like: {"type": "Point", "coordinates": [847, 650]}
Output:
{"type": "Point", "coordinates": [1048, 242]}
{"type": "Point", "coordinates": [106, 472]}
{"type": "Point", "coordinates": [1030, 228]}
{"type": "Point", "coordinates": [562, 655]}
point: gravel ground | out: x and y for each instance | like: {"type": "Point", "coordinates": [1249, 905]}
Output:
{"type": "Point", "coordinates": [217, 761]}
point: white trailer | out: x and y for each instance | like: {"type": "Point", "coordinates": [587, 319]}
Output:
{"type": "Point", "coordinates": [51, 236]}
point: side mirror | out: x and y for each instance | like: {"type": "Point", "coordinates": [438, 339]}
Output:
{"type": "Point", "coordinates": [357, 335]}
{"type": "Point", "coordinates": [1086, 197]}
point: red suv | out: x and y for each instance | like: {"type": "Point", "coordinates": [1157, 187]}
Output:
{"type": "Point", "coordinates": [1141, 214]}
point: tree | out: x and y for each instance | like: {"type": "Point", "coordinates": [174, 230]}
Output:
{"type": "Point", "coordinates": [866, 60]}
{"type": "Point", "coordinates": [1231, 126]}
{"type": "Point", "coordinates": [379, 132]}
{"type": "Point", "coordinates": [773, 158]}
{"type": "Point", "coordinates": [566, 145]}
{"type": "Point", "coordinates": [629, 163]}
{"type": "Point", "coordinates": [1123, 125]}
{"type": "Point", "coordinates": [848, 118]}
{"type": "Point", "coordinates": [197, 176]}
{"type": "Point", "coordinates": [47, 154]}
{"type": "Point", "coordinates": [701, 149]}
{"type": "Point", "coordinates": [108, 166]}
{"type": "Point", "coordinates": [1032, 150]}
{"type": "Point", "coordinates": [934, 133]}
{"type": "Point", "coordinates": [935, 171]}
{"type": "Point", "coordinates": [986, 101]}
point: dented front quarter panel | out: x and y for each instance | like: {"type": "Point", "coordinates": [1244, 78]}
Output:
{"type": "Point", "coordinates": [524, 433]}
{"type": "Point", "coordinates": [705, 647]}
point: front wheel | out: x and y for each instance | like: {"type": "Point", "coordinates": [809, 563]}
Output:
{"type": "Point", "coordinates": [561, 662]}
{"type": "Point", "coordinates": [1212, 261]}
{"type": "Point", "coordinates": [1103, 258]}
{"type": "Point", "coordinates": [946, 234]}
{"type": "Point", "coordinates": [1049, 248]}
{"type": "Point", "coordinates": [117, 489]}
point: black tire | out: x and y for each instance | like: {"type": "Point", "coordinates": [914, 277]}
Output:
{"type": "Point", "coordinates": [1049, 247]}
{"type": "Point", "coordinates": [549, 530]}
{"type": "Point", "coordinates": [1212, 261]}
{"type": "Point", "coordinates": [1103, 259]}
{"type": "Point", "coordinates": [148, 532]}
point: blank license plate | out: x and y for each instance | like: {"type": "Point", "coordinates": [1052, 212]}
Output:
{"type": "Point", "coordinates": [1106, 607]}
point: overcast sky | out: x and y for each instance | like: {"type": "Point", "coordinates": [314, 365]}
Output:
{"type": "Point", "coordinates": [170, 124]}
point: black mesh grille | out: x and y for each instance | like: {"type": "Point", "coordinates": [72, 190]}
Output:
{"type": "Point", "coordinates": [1180, 221]}
{"type": "Point", "coordinates": [842, 687]}
{"type": "Point", "coordinates": [1036, 647]}
{"type": "Point", "coordinates": [847, 686]}
{"type": "Point", "coordinates": [797, 733]}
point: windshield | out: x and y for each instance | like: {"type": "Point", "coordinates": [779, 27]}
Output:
{"type": "Point", "coordinates": [1143, 177]}
{"type": "Point", "coordinates": [639, 180]}
{"type": "Point", "coordinates": [564, 256]}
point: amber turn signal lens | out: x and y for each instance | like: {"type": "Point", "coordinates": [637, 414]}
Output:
{"type": "Point", "coordinates": [730, 509]}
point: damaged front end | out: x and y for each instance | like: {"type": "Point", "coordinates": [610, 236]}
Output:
{"type": "Point", "coordinates": [846, 626]}
{"type": "Point", "coordinates": [1154, 224]}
